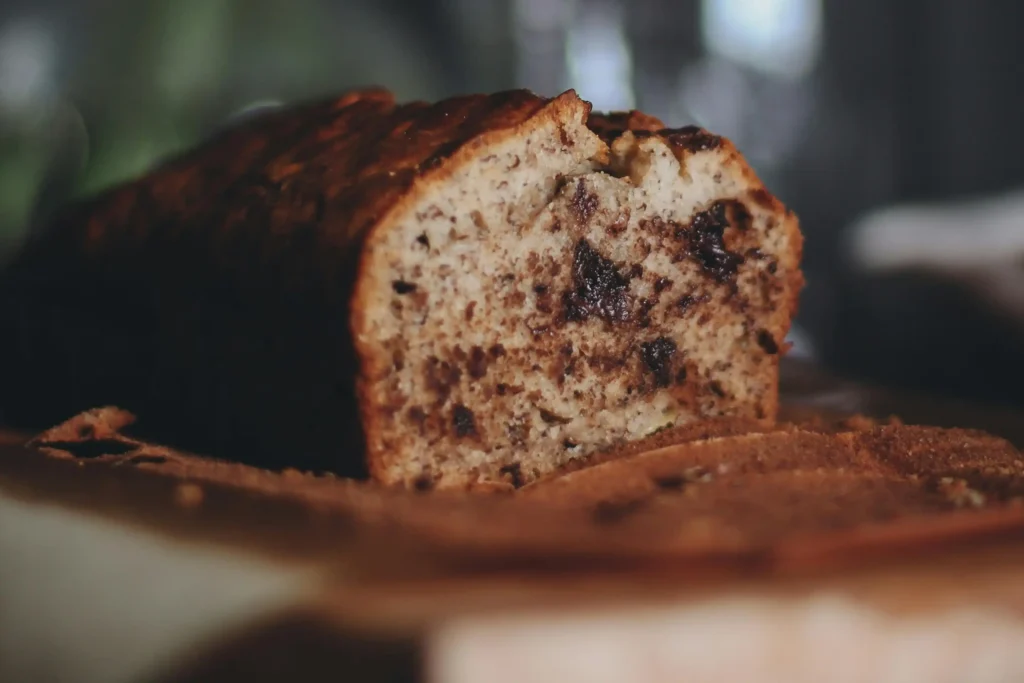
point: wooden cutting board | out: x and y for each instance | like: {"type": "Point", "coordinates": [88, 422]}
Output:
{"type": "Point", "coordinates": [337, 595]}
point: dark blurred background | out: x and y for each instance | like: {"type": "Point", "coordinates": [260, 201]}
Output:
{"type": "Point", "coordinates": [842, 107]}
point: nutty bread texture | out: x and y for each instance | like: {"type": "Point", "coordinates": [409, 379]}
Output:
{"type": "Point", "coordinates": [470, 292]}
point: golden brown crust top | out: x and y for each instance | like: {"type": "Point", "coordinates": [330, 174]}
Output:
{"type": "Point", "coordinates": [309, 179]}
{"type": "Point", "coordinates": [611, 125]}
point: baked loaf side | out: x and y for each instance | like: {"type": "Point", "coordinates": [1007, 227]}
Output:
{"type": "Point", "coordinates": [550, 294]}
{"type": "Point", "coordinates": [763, 487]}
{"type": "Point", "coordinates": [510, 281]}
{"type": "Point", "coordinates": [211, 296]}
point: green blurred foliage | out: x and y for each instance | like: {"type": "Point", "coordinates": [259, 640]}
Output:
{"type": "Point", "coordinates": [141, 80]}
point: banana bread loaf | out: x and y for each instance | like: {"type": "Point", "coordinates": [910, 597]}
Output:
{"type": "Point", "coordinates": [477, 290]}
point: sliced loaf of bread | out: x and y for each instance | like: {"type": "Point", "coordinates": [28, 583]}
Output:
{"type": "Point", "coordinates": [475, 291]}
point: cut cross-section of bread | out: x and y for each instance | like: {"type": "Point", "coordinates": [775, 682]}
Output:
{"type": "Point", "coordinates": [475, 291]}
{"type": "Point", "coordinates": [550, 295]}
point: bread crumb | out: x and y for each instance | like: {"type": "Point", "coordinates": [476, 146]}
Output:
{"type": "Point", "coordinates": [697, 474]}
{"type": "Point", "coordinates": [960, 494]}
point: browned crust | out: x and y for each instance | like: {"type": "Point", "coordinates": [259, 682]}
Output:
{"type": "Point", "coordinates": [610, 126]}
{"type": "Point", "coordinates": [719, 428]}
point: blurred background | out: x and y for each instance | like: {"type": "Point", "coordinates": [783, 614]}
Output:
{"type": "Point", "coordinates": [846, 109]}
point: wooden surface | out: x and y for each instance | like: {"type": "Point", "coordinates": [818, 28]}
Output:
{"type": "Point", "coordinates": [380, 604]}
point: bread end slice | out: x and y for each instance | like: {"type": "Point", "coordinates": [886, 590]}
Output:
{"type": "Point", "coordinates": [555, 288]}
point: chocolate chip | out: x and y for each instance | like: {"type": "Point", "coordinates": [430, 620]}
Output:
{"type": "Point", "coordinates": [497, 351]}
{"type": "Point", "coordinates": [661, 284]}
{"type": "Point", "coordinates": [569, 444]}
{"type": "Point", "coordinates": [583, 204]}
{"type": "Point", "coordinates": [463, 421]}
{"type": "Point", "coordinates": [477, 362]}
{"type": "Point", "coordinates": [422, 239]}
{"type": "Point", "coordinates": [690, 300]}
{"type": "Point", "coordinates": [657, 356]}
{"type": "Point", "coordinates": [767, 342]}
{"type": "Point", "coordinates": [740, 218]}
{"type": "Point", "coordinates": [707, 242]}
{"type": "Point", "coordinates": [643, 313]}
{"type": "Point", "coordinates": [543, 298]}
{"type": "Point", "coordinates": [552, 418]}
{"type": "Point", "coordinates": [402, 287]}
{"type": "Point", "coordinates": [598, 288]}
{"type": "Point", "coordinates": [424, 482]}
{"type": "Point", "coordinates": [515, 473]}
{"type": "Point", "coordinates": [717, 388]}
